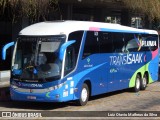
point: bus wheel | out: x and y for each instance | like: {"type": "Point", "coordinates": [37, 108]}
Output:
{"type": "Point", "coordinates": [144, 82]}
{"type": "Point", "coordinates": [84, 96]}
{"type": "Point", "coordinates": [137, 83]}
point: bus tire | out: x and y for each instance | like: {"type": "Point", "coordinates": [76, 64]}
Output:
{"type": "Point", "coordinates": [137, 83]}
{"type": "Point", "coordinates": [144, 82]}
{"type": "Point", "coordinates": [84, 95]}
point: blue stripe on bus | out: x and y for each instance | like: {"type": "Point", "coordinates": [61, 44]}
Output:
{"type": "Point", "coordinates": [80, 75]}
{"type": "Point", "coordinates": [125, 31]}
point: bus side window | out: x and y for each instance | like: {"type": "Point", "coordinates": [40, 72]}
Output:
{"type": "Point", "coordinates": [151, 42]}
{"type": "Point", "coordinates": [70, 59]}
{"type": "Point", "coordinates": [119, 42]}
{"type": "Point", "coordinates": [132, 42]}
{"type": "Point", "coordinates": [106, 42]}
{"type": "Point", "coordinates": [72, 51]}
{"type": "Point", "coordinates": [91, 44]}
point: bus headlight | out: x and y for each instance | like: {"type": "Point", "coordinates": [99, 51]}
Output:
{"type": "Point", "coordinates": [56, 87]}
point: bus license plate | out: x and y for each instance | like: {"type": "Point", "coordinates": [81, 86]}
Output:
{"type": "Point", "coordinates": [31, 97]}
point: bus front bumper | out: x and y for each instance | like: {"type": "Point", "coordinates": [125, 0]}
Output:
{"type": "Point", "coordinates": [51, 96]}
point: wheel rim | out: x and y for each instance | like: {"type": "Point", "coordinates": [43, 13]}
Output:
{"type": "Point", "coordinates": [144, 81]}
{"type": "Point", "coordinates": [84, 94]}
{"type": "Point", "coordinates": [138, 83]}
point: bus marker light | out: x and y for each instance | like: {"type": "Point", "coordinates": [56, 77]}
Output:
{"type": "Point", "coordinates": [71, 90]}
{"type": "Point", "coordinates": [70, 78]}
{"type": "Point", "coordinates": [72, 84]}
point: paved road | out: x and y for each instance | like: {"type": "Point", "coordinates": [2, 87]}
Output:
{"type": "Point", "coordinates": [125, 100]}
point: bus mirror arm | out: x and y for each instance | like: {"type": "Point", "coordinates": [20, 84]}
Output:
{"type": "Point", "coordinates": [4, 49]}
{"type": "Point", "coordinates": [64, 47]}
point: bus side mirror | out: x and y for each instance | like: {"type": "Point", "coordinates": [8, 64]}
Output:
{"type": "Point", "coordinates": [63, 48]}
{"type": "Point", "coordinates": [4, 49]}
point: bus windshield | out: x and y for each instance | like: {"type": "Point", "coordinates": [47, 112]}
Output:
{"type": "Point", "coordinates": [36, 58]}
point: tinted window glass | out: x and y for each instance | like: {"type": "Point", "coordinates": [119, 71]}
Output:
{"type": "Point", "coordinates": [132, 42]}
{"type": "Point", "coordinates": [91, 44]}
{"type": "Point", "coordinates": [119, 42]}
{"type": "Point", "coordinates": [141, 42]}
{"type": "Point", "coordinates": [150, 42]}
{"type": "Point", "coordinates": [73, 51]}
{"type": "Point", "coordinates": [106, 43]}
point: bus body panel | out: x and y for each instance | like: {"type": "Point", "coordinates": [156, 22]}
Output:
{"type": "Point", "coordinates": [106, 72]}
{"type": "Point", "coordinates": [107, 81]}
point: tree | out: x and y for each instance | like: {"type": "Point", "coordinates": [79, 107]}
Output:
{"type": "Point", "coordinates": [32, 9]}
{"type": "Point", "coordinates": [150, 7]}
{"type": "Point", "coordinates": [36, 9]}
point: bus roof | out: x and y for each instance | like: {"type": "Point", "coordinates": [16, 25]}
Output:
{"type": "Point", "coordinates": [66, 27]}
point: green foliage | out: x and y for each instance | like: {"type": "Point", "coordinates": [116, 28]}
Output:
{"type": "Point", "coordinates": [148, 7]}
{"type": "Point", "coordinates": [32, 9]}
{"type": "Point", "coordinates": [36, 9]}
{"type": "Point", "coordinates": [2, 5]}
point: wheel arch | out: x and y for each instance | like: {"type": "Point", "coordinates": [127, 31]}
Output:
{"type": "Point", "coordinates": [133, 78]}
{"type": "Point", "coordinates": [140, 74]}
{"type": "Point", "coordinates": [88, 82]}
{"type": "Point", "coordinates": [147, 74]}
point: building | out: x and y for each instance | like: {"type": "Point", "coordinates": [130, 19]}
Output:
{"type": "Point", "coordinates": [112, 11]}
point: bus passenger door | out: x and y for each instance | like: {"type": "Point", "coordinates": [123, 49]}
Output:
{"type": "Point", "coordinates": [106, 52]}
